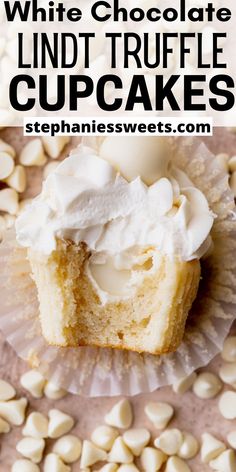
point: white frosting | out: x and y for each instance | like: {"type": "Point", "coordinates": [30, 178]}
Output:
{"type": "Point", "coordinates": [123, 223]}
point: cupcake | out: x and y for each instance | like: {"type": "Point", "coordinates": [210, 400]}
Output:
{"type": "Point", "coordinates": [115, 241]}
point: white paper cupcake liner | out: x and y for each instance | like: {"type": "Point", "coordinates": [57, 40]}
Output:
{"type": "Point", "coordinates": [106, 372]}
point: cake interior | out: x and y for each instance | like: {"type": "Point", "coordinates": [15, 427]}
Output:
{"type": "Point", "coordinates": [72, 315]}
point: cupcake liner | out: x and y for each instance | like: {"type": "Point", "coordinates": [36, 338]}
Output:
{"type": "Point", "coordinates": [107, 372]}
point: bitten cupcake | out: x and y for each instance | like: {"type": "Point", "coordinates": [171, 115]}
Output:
{"type": "Point", "coordinates": [115, 241]}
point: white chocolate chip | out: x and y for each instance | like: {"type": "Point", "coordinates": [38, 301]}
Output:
{"type": "Point", "coordinates": [24, 465]}
{"type": "Point", "coordinates": [207, 385]}
{"type": "Point", "coordinates": [50, 168]}
{"type": "Point", "coordinates": [211, 448]}
{"type": "Point", "coordinates": [227, 405]}
{"type": "Point", "coordinates": [33, 381]}
{"type": "Point", "coordinates": [9, 201]}
{"type": "Point", "coordinates": [59, 423]}
{"type": "Point", "coordinates": [184, 384]}
{"type": "Point", "coordinates": [232, 183]}
{"type": "Point", "coordinates": [36, 426]}
{"type": "Point", "coordinates": [146, 158]}
{"type": "Point", "coordinates": [5, 147]}
{"type": "Point", "coordinates": [9, 221]}
{"type": "Point", "coordinates": [227, 373]}
{"type": "Point", "coordinates": [128, 468]}
{"type": "Point", "coordinates": [232, 164]}
{"type": "Point", "coordinates": [7, 392]}
{"type": "Point", "coordinates": [159, 414]}
{"type": "Point", "coordinates": [175, 464]}
{"type": "Point", "coordinates": [104, 437]}
{"type": "Point", "coordinates": [225, 462]}
{"type": "Point", "coordinates": [6, 165]}
{"type": "Point", "coordinates": [231, 438]}
{"type": "Point", "coordinates": [189, 447]}
{"type": "Point", "coordinates": [136, 440]}
{"type": "Point", "coordinates": [170, 441]}
{"type": "Point", "coordinates": [32, 154]}
{"type": "Point", "coordinates": [53, 392]}
{"type": "Point", "coordinates": [120, 452]}
{"type": "Point", "coordinates": [4, 427]}
{"type": "Point", "coordinates": [54, 145]}
{"type": "Point", "coordinates": [91, 454]}
{"type": "Point", "coordinates": [229, 349]}
{"type": "Point", "coordinates": [68, 448]}
{"type": "Point", "coordinates": [109, 468]}
{"type": "Point", "coordinates": [31, 448]}
{"type": "Point", "coordinates": [120, 415]}
{"type": "Point", "coordinates": [17, 179]}
{"type": "Point", "coordinates": [222, 160]}
{"type": "Point", "coordinates": [53, 463]}
{"type": "Point", "coordinates": [14, 411]}
{"type": "Point", "coordinates": [152, 459]}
